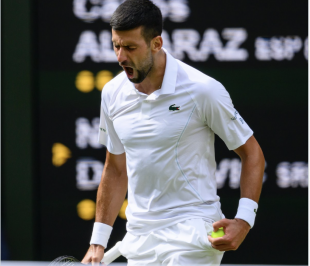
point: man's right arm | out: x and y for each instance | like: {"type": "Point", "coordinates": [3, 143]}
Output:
{"type": "Point", "coordinates": [110, 197]}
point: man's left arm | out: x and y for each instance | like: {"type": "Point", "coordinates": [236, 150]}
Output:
{"type": "Point", "coordinates": [251, 180]}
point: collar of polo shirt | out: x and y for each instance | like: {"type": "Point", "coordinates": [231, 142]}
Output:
{"type": "Point", "coordinates": [169, 81]}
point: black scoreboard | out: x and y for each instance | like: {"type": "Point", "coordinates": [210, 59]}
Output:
{"type": "Point", "coordinates": [257, 49]}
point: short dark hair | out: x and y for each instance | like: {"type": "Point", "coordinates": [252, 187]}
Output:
{"type": "Point", "coordinates": [135, 13]}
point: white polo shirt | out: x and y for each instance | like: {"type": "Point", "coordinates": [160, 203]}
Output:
{"type": "Point", "coordinates": [168, 137]}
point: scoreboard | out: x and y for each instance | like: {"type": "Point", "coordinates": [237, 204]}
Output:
{"type": "Point", "coordinates": [257, 49]}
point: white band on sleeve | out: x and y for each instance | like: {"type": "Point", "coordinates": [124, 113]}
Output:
{"type": "Point", "coordinates": [247, 210]}
{"type": "Point", "coordinates": [101, 234]}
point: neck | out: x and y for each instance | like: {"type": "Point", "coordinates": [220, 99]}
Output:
{"type": "Point", "coordinates": [155, 77]}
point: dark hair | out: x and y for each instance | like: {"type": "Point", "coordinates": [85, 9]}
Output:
{"type": "Point", "coordinates": [135, 13]}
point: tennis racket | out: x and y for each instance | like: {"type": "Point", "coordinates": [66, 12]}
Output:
{"type": "Point", "coordinates": [110, 256]}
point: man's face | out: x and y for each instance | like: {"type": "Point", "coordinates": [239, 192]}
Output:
{"type": "Point", "coordinates": [133, 53]}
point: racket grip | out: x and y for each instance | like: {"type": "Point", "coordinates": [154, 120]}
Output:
{"type": "Point", "coordinates": [112, 254]}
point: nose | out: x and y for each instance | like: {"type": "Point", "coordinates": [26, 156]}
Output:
{"type": "Point", "coordinates": [121, 55]}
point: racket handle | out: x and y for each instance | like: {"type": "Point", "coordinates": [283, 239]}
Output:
{"type": "Point", "coordinates": [112, 254]}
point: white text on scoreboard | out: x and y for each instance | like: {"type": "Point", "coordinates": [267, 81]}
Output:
{"type": "Point", "coordinates": [224, 46]}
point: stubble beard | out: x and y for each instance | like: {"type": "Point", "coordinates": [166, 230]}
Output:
{"type": "Point", "coordinates": [144, 70]}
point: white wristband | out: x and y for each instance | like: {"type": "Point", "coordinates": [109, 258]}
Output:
{"type": "Point", "coordinates": [101, 234]}
{"type": "Point", "coordinates": [247, 210]}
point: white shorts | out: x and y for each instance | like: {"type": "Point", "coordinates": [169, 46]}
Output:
{"type": "Point", "coordinates": [185, 243]}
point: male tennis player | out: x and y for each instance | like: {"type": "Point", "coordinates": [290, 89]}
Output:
{"type": "Point", "coordinates": [158, 120]}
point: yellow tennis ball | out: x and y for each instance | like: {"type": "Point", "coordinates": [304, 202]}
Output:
{"type": "Point", "coordinates": [219, 233]}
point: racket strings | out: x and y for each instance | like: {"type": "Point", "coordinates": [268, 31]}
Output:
{"type": "Point", "coordinates": [64, 261]}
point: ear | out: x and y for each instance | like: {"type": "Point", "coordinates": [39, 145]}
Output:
{"type": "Point", "coordinates": [157, 44]}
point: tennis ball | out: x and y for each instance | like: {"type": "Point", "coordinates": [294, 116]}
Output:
{"type": "Point", "coordinates": [219, 233]}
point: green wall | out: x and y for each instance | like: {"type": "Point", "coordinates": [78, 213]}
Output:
{"type": "Point", "coordinates": [17, 129]}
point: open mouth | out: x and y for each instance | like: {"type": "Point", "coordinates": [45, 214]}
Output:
{"type": "Point", "coordinates": [129, 72]}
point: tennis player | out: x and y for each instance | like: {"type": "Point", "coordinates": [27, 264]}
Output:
{"type": "Point", "coordinates": [158, 120]}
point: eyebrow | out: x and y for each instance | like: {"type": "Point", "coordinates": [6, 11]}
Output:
{"type": "Point", "coordinates": [130, 44]}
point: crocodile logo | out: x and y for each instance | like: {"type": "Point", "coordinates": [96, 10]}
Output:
{"type": "Point", "coordinates": [255, 210]}
{"type": "Point", "coordinates": [172, 108]}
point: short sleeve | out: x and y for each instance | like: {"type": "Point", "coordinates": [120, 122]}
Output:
{"type": "Point", "coordinates": [107, 134]}
{"type": "Point", "coordinates": [221, 116]}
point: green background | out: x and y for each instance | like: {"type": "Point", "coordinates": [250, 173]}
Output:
{"type": "Point", "coordinates": [272, 99]}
